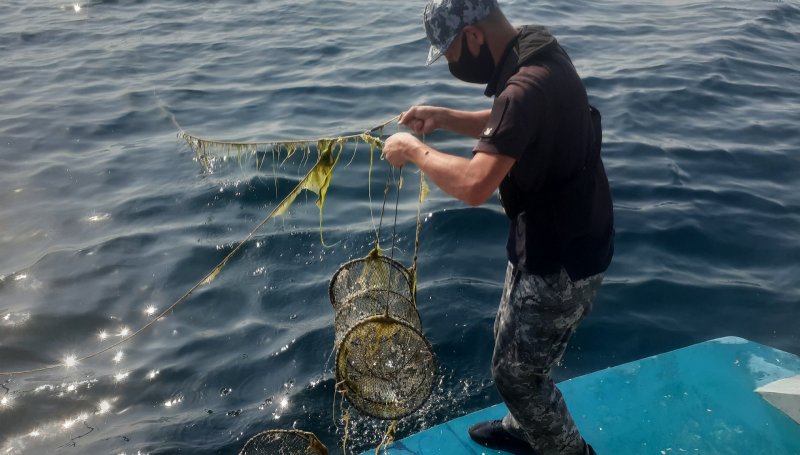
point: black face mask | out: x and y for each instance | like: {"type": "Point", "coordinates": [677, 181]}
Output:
{"type": "Point", "coordinates": [477, 70]}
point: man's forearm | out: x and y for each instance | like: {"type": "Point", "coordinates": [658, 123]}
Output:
{"type": "Point", "coordinates": [464, 179]}
{"type": "Point", "coordinates": [464, 122]}
{"type": "Point", "coordinates": [470, 180]}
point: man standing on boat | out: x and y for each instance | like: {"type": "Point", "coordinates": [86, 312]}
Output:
{"type": "Point", "coordinates": [539, 145]}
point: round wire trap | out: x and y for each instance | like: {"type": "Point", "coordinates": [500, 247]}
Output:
{"type": "Point", "coordinates": [284, 442]}
{"type": "Point", "coordinates": [372, 303]}
{"type": "Point", "coordinates": [373, 272]}
{"type": "Point", "coordinates": [386, 367]}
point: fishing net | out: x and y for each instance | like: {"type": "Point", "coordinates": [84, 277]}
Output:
{"type": "Point", "coordinates": [284, 442]}
{"type": "Point", "coordinates": [384, 364]}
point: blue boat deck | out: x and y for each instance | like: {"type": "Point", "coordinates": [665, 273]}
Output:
{"type": "Point", "coordinates": [696, 400]}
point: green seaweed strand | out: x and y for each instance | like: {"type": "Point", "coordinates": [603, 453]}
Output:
{"type": "Point", "coordinates": [204, 147]}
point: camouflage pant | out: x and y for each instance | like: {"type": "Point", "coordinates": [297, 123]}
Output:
{"type": "Point", "coordinates": [535, 321]}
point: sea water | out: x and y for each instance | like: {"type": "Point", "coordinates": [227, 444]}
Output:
{"type": "Point", "coordinates": [106, 219]}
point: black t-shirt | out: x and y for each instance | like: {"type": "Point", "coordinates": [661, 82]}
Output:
{"type": "Point", "coordinates": [557, 192]}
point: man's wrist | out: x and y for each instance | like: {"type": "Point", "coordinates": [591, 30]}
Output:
{"type": "Point", "coordinates": [443, 118]}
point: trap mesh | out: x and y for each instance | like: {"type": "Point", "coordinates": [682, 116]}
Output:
{"type": "Point", "coordinates": [384, 364]}
{"type": "Point", "coordinates": [284, 442]}
{"type": "Point", "coordinates": [374, 272]}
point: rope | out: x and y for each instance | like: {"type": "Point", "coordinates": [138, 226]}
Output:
{"type": "Point", "coordinates": [419, 228]}
{"type": "Point", "coordinates": [383, 208]}
{"type": "Point", "coordinates": [396, 207]}
{"type": "Point", "coordinates": [422, 196]}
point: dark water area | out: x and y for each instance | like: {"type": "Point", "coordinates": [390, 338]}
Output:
{"type": "Point", "coordinates": [106, 218]}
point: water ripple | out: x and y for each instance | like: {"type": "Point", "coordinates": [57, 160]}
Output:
{"type": "Point", "coordinates": [106, 218]}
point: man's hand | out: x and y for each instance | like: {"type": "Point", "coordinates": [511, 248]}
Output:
{"type": "Point", "coordinates": [400, 147]}
{"type": "Point", "coordinates": [423, 119]}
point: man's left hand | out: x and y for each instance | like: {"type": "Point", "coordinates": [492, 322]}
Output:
{"type": "Point", "coordinates": [400, 148]}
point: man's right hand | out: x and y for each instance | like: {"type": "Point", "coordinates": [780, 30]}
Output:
{"type": "Point", "coordinates": [423, 119]}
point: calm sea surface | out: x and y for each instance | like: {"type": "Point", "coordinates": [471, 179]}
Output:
{"type": "Point", "coordinates": [105, 214]}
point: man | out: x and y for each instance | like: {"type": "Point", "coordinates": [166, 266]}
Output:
{"type": "Point", "coordinates": [540, 146]}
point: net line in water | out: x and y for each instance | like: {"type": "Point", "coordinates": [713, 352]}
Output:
{"type": "Point", "coordinates": [317, 180]}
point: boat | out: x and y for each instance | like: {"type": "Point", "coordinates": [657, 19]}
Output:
{"type": "Point", "coordinates": [723, 396]}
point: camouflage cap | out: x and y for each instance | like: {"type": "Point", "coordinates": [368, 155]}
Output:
{"type": "Point", "coordinates": [444, 20]}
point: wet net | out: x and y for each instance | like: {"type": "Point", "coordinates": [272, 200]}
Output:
{"type": "Point", "coordinates": [284, 442]}
{"type": "Point", "coordinates": [384, 365]}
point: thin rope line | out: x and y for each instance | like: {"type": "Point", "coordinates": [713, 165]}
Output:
{"type": "Point", "coordinates": [419, 228]}
{"type": "Point", "coordinates": [383, 207]}
{"type": "Point", "coordinates": [369, 193]}
{"type": "Point", "coordinates": [396, 209]}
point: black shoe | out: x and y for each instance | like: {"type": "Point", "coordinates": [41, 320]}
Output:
{"type": "Point", "coordinates": [491, 434]}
